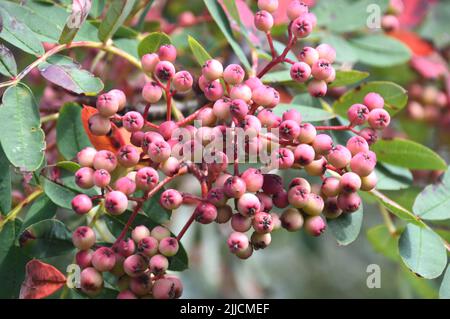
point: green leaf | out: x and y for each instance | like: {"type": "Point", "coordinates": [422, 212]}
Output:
{"type": "Point", "coordinates": [179, 262]}
{"type": "Point", "coordinates": [5, 184]}
{"type": "Point", "coordinates": [64, 72]}
{"type": "Point", "coordinates": [433, 203]}
{"type": "Point", "coordinates": [344, 51]}
{"type": "Point", "coordinates": [383, 242]}
{"type": "Point", "coordinates": [47, 238]}
{"type": "Point", "coordinates": [404, 197]}
{"type": "Point", "coordinates": [222, 22]}
{"type": "Point", "coordinates": [444, 291]}
{"type": "Point", "coordinates": [19, 35]}
{"type": "Point", "coordinates": [348, 77]}
{"type": "Point", "coordinates": [12, 261]}
{"type": "Point", "coordinates": [22, 138]}
{"type": "Point", "coordinates": [392, 177]}
{"type": "Point", "coordinates": [309, 114]}
{"type": "Point", "coordinates": [128, 45]}
{"type": "Point", "coordinates": [59, 194]}
{"type": "Point", "coordinates": [408, 154]}
{"type": "Point", "coordinates": [422, 251]}
{"type": "Point", "coordinates": [68, 166]}
{"type": "Point", "coordinates": [42, 208]}
{"type": "Point", "coordinates": [396, 208]}
{"type": "Point", "coordinates": [395, 97]}
{"type": "Point", "coordinates": [277, 77]}
{"type": "Point", "coordinates": [70, 134]}
{"type": "Point", "coordinates": [346, 227]}
{"type": "Point", "coordinates": [75, 21]}
{"type": "Point", "coordinates": [97, 8]}
{"type": "Point", "coordinates": [199, 52]}
{"type": "Point", "coordinates": [117, 12]}
{"type": "Point", "coordinates": [380, 50]}
{"type": "Point", "coordinates": [154, 211]}
{"type": "Point", "coordinates": [8, 65]}
{"type": "Point", "coordinates": [436, 25]}
{"type": "Point", "coordinates": [152, 42]}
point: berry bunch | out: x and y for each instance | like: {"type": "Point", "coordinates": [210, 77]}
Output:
{"type": "Point", "coordinates": [238, 124]}
{"type": "Point", "coordinates": [139, 263]}
{"type": "Point", "coordinates": [428, 103]}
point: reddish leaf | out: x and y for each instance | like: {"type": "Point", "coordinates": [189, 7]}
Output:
{"type": "Point", "coordinates": [112, 142]}
{"type": "Point", "coordinates": [430, 67]}
{"type": "Point", "coordinates": [41, 280]}
{"type": "Point", "coordinates": [417, 45]}
{"type": "Point", "coordinates": [414, 12]}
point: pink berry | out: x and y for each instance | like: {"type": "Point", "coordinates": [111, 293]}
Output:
{"type": "Point", "coordinates": [168, 246]}
{"type": "Point", "coordinates": [307, 133]}
{"type": "Point", "coordinates": [158, 264]}
{"type": "Point", "coordinates": [239, 109]}
{"type": "Point", "coordinates": [349, 202]}
{"type": "Point", "coordinates": [291, 219]}
{"type": "Point", "coordinates": [167, 129]}
{"type": "Point", "coordinates": [141, 285]}
{"type": "Point", "coordinates": [263, 21]}
{"type": "Point", "coordinates": [300, 72]}
{"type": "Point", "coordinates": [140, 232]}
{"type": "Point", "coordinates": [317, 88]}
{"type": "Point", "coordinates": [134, 265]}
{"type": "Point", "coordinates": [121, 98]}
{"type": "Point", "coordinates": [84, 177]}
{"type": "Point", "coordinates": [330, 187]}
{"type": "Point", "coordinates": [248, 204]}
{"type": "Point", "coordinates": [268, 5]}
{"type": "Point", "coordinates": [167, 52]}
{"type": "Point", "coordinates": [390, 23]}
{"type": "Point", "coordinates": [116, 202]}
{"type": "Point", "coordinates": [295, 9]}
{"type": "Point", "coordinates": [133, 121]}
{"type": "Point", "coordinates": [300, 181]}
{"type": "Point", "coordinates": [304, 154]}
{"type": "Point", "coordinates": [331, 209]}
{"type": "Point", "coordinates": [216, 196]}
{"type": "Point", "coordinates": [233, 74]}
{"type": "Point", "coordinates": [164, 70]}
{"type": "Point", "coordinates": [261, 96]}
{"type": "Point", "coordinates": [213, 90]}
{"type": "Point", "coordinates": [321, 69]}
{"type": "Point", "coordinates": [302, 26]}
{"type": "Point", "coordinates": [339, 156]}
{"type": "Point", "coordinates": [126, 294]}
{"type": "Point", "coordinates": [159, 151]}
{"type": "Point", "coordinates": [332, 76]}
{"type": "Point", "coordinates": [235, 187]}
{"type": "Point", "coordinates": [309, 55]}
{"type": "Point", "coordinates": [105, 160]}
{"type": "Point", "coordinates": [253, 179]}
{"type": "Point", "coordinates": [128, 156]}
{"type": "Point", "coordinates": [373, 101]}
{"type": "Point", "coordinates": [148, 246]}
{"type": "Point", "coordinates": [357, 144]}
{"type": "Point", "coordinates": [272, 184]}
{"type": "Point", "coordinates": [163, 289]}
{"type": "Point", "coordinates": [212, 70]}
{"type": "Point", "coordinates": [81, 204]}
{"type": "Point", "coordinates": [326, 52]}
{"type": "Point", "coordinates": [369, 182]}
{"type": "Point", "coordinates": [160, 232]}
{"type": "Point", "coordinates": [260, 241]}
{"type": "Point", "coordinates": [221, 108]}
{"type": "Point", "coordinates": [182, 81]}
{"type": "Point", "coordinates": [350, 182]}
{"type": "Point", "coordinates": [85, 157]}
{"type": "Point", "coordinates": [282, 158]}
{"type": "Point", "coordinates": [358, 114]}
{"type": "Point", "coordinates": [322, 144]}
{"type": "Point", "coordinates": [379, 119]}
{"type": "Point", "coordinates": [171, 199]}
{"type": "Point", "coordinates": [170, 166]}
{"type": "Point", "coordinates": [146, 178]}
{"type": "Point", "coordinates": [298, 196]}
{"type": "Point", "coordinates": [241, 91]}
{"type": "Point", "coordinates": [266, 201]}
{"type": "Point", "coordinates": [253, 83]}
{"type": "Point", "coordinates": [240, 223]}
{"type": "Point", "coordinates": [237, 242]}
{"type": "Point", "coordinates": [149, 62]}
{"type": "Point", "coordinates": [125, 248]}
{"type": "Point", "coordinates": [99, 125]}
{"type": "Point", "coordinates": [101, 178]}
{"type": "Point", "coordinates": [152, 92]}
{"type": "Point", "coordinates": [83, 258]}
{"type": "Point", "coordinates": [205, 213]}
{"type": "Point", "coordinates": [363, 163]}
{"type": "Point", "coordinates": [281, 199]}
{"type": "Point", "coordinates": [103, 259]}
{"type": "Point", "coordinates": [369, 134]}
{"type": "Point", "coordinates": [83, 238]}
{"type": "Point", "coordinates": [315, 225]}
{"type": "Point", "coordinates": [289, 130]}
{"type": "Point", "coordinates": [263, 223]}
{"type": "Point", "coordinates": [317, 167]}
{"type": "Point", "coordinates": [91, 281]}
{"type": "Point", "coordinates": [107, 105]}
{"type": "Point", "coordinates": [245, 254]}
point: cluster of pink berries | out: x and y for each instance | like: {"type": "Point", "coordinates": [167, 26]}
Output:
{"type": "Point", "coordinates": [246, 200]}
{"type": "Point", "coordinates": [139, 263]}
{"type": "Point", "coordinates": [390, 21]}
{"type": "Point", "coordinates": [428, 103]}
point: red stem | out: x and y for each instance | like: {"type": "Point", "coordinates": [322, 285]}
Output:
{"type": "Point", "coordinates": [147, 108]}
{"type": "Point", "coordinates": [169, 101]}
{"type": "Point", "coordinates": [272, 48]}
{"type": "Point", "coordinates": [337, 128]}
{"type": "Point", "coordinates": [193, 116]}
